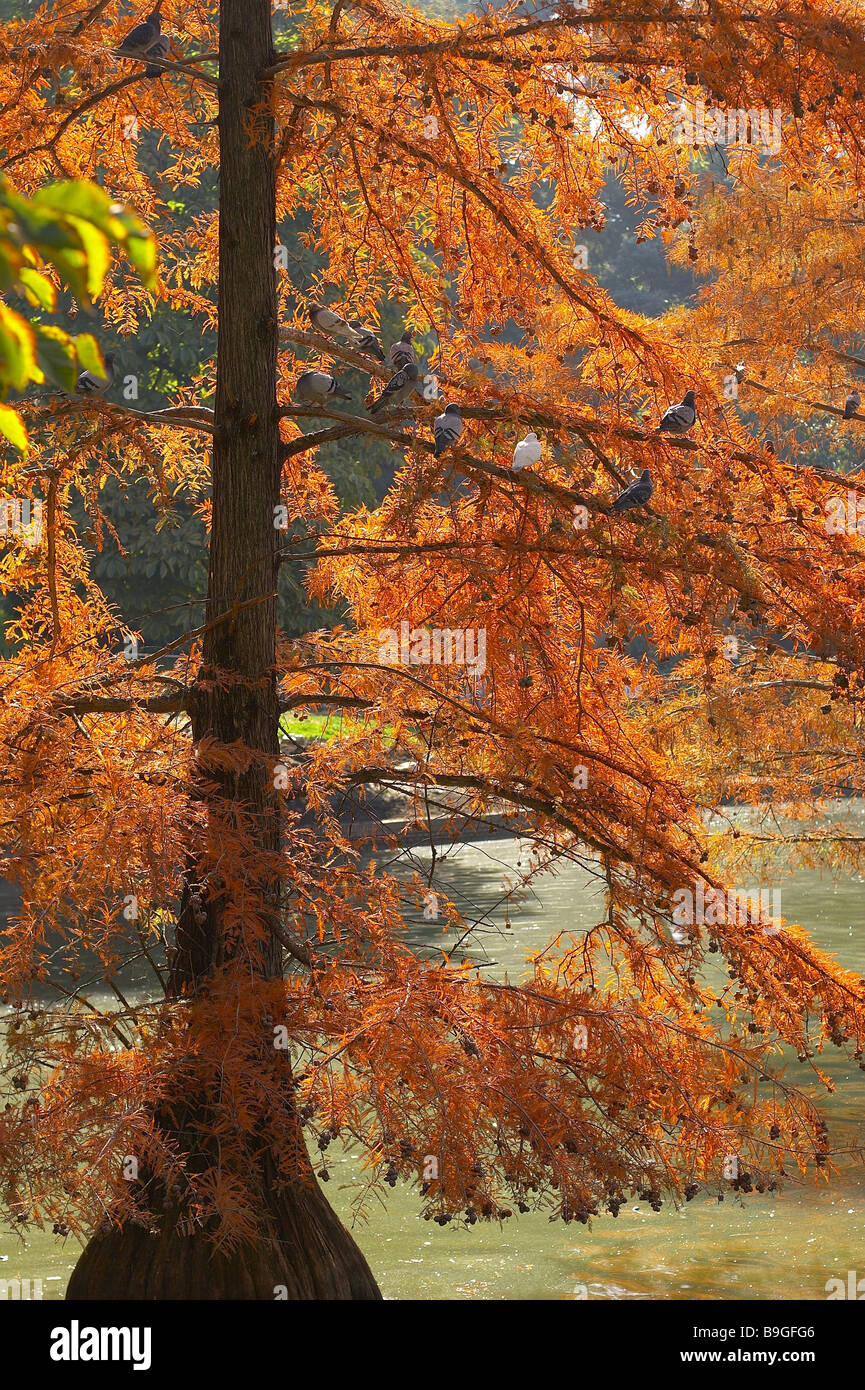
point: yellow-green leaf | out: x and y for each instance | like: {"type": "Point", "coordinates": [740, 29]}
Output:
{"type": "Point", "coordinates": [12, 426]}
{"type": "Point", "coordinates": [38, 289]}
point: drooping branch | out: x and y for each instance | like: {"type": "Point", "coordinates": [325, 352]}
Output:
{"type": "Point", "coordinates": [192, 417]}
{"type": "Point", "coordinates": [173, 65]}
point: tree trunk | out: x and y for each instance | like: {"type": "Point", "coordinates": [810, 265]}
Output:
{"type": "Point", "coordinates": [301, 1249]}
{"type": "Point", "coordinates": [305, 1253]}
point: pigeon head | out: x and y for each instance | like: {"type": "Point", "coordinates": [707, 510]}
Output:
{"type": "Point", "coordinates": [452, 410]}
{"type": "Point", "coordinates": [153, 17]}
{"type": "Point", "coordinates": [406, 337]}
{"type": "Point", "coordinates": [645, 476]}
{"type": "Point", "coordinates": [689, 399]}
{"type": "Point", "coordinates": [410, 370]}
{"type": "Point", "coordinates": [532, 436]}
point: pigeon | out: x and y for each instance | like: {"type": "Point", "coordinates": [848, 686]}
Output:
{"type": "Point", "coordinates": [326, 321]}
{"type": "Point", "coordinates": [142, 37]}
{"type": "Point", "coordinates": [635, 495]}
{"type": "Point", "coordinates": [447, 429]}
{"type": "Point", "coordinates": [527, 452]}
{"type": "Point", "coordinates": [402, 352]}
{"type": "Point", "coordinates": [398, 390]}
{"type": "Point", "coordinates": [852, 404]}
{"type": "Point", "coordinates": [367, 341]}
{"type": "Point", "coordinates": [159, 49]}
{"type": "Point", "coordinates": [91, 384]}
{"type": "Point", "coordinates": [315, 387]}
{"type": "Point", "coordinates": [678, 419]}
{"type": "Point", "coordinates": [769, 444]}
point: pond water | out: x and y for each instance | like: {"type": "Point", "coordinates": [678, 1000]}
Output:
{"type": "Point", "coordinates": [771, 1246]}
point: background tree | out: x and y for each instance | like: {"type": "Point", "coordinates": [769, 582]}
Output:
{"type": "Point", "coordinates": [446, 169]}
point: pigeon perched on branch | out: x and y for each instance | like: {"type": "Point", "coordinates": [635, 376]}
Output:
{"type": "Point", "coordinates": [91, 384]}
{"type": "Point", "coordinates": [142, 37]}
{"type": "Point", "coordinates": [401, 386]}
{"type": "Point", "coordinates": [635, 495]}
{"type": "Point", "coordinates": [852, 404]}
{"type": "Point", "coordinates": [331, 323]}
{"type": "Point", "coordinates": [316, 387]}
{"type": "Point", "coordinates": [402, 353]}
{"type": "Point", "coordinates": [159, 50]}
{"type": "Point", "coordinates": [678, 419]}
{"type": "Point", "coordinates": [527, 452]}
{"type": "Point", "coordinates": [367, 341]}
{"type": "Point", "coordinates": [447, 428]}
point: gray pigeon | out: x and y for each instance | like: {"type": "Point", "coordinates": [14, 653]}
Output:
{"type": "Point", "coordinates": [402, 353]}
{"type": "Point", "coordinates": [399, 389]}
{"type": "Point", "coordinates": [316, 387]}
{"type": "Point", "coordinates": [142, 37]}
{"type": "Point", "coordinates": [447, 428]}
{"type": "Point", "coordinates": [326, 321]}
{"type": "Point", "coordinates": [852, 404]}
{"type": "Point", "coordinates": [367, 341]}
{"type": "Point", "coordinates": [635, 495]}
{"type": "Point", "coordinates": [678, 419]}
{"type": "Point", "coordinates": [89, 384]}
{"type": "Point", "coordinates": [769, 444]}
{"type": "Point", "coordinates": [159, 49]}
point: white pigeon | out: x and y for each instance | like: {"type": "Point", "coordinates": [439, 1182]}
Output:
{"type": "Point", "coordinates": [447, 428]}
{"type": "Point", "coordinates": [527, 452]}
{"type": "Point", "coordinates": [678, 419]}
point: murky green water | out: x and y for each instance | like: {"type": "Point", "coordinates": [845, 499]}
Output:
{"type": "Point", "coordinates": [772, 1246]}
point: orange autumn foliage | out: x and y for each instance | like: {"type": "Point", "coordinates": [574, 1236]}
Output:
{"type": "Point", "coordinates": [454, 167]}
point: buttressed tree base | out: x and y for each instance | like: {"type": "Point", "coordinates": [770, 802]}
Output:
{"type": "Point", "coordinates": [576, 609]}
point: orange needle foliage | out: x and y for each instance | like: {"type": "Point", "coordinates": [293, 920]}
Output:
{"type": "Point", "coordinates": [455, 167]}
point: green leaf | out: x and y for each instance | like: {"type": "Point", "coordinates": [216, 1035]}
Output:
{"type": "Point", "coordinates": [89, 354]}
{"type": "Point", "coordinates": [141, 250]}
{"type": "Point", "coordinates": [18, 364]}
{"type": "Point", "coordinates": [10, 263]}
{"type": "Point", "coordinates": [86, 202]}
{"type": "Point", "coordinates": [38, 288]}
{"type": "Point", "coordinates": [57, 358]}
{"type": "Point", "coordinates": [71, 265]}
{"type": "Point", "coordinates": [78, 197]}
{"type": "Point", "coordinates": [97, 252]}
{"type": "Point", "coordinates": [12, 426]}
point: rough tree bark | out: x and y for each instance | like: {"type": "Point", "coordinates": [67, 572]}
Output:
{"type": "Point", "coordinates": [301, 1243]}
